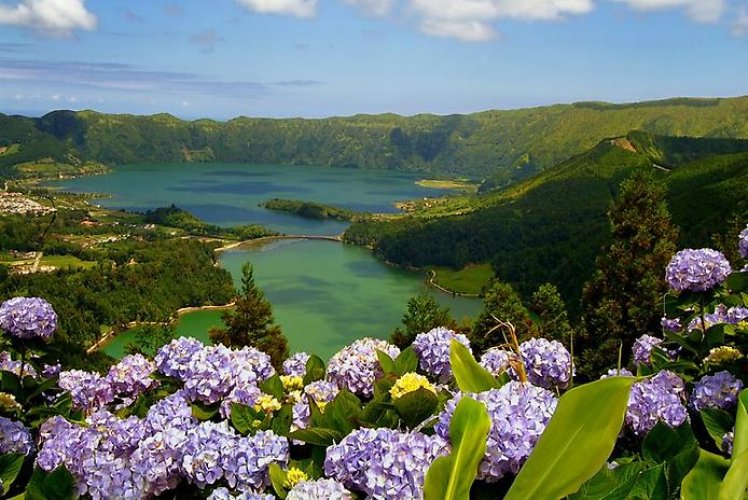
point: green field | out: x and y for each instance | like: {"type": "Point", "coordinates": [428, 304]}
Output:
{"type": "Point", "coordinates": [65, 261]}
{"type": "Point", "coordinates": [469, 280]}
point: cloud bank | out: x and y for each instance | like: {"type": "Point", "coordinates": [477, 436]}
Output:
{"type": "Point", "coordinates": [49, 17]}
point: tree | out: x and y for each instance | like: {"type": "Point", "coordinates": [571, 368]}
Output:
{"type": "Point", "coordinates": [554, 320]}
{"type": "Point", "coordinates": [150, 337]}
{"type": "Point", "coordinates": [503, 303]}
{"type": "Point", "coordinates": [622, 300]}
{"type": "Point", "coordinates": [251, 322]}
{"type": "Point", "coordinates": [422, 315]}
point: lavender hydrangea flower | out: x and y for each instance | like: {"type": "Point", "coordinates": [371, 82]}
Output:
{"type": "Point", "coordinates": [246, 465]}
{"type": "Point", "coordinates": [727, 442]}
{"type": "Point", "coordinates": [224, 494]}
{"type": "Point", "coordinates": [498, 360]}
{"type": "Point", "coordinates": [547, 363]}
{"type": "Point", "coordinates": [173, 359]}
{"type": "Point", "coordinates": [721, 315]}
{"type": "Point", "coordinates": [14, 437]}
{"type": "Point", "coordinates": [697, 270]}
{"type": "Point", "coordinates": [244, 394]}
{"type": "Point", "coordinates": [322, 392]}
{"type": "Point", "coordinates": [251, 366]}
{"type": "Point", "coordinates": [8, 365]}
{"type": "Point", "coordinates": [519, 413]}
{"type": "Point", "coordinates": [132, 376]}
{"type": "Point", "coordinates": [209, 376]}
{"type": "Point", "coordinates": [642, 349]}
{"type": "Point", "coordinates": [89, 391]}
{"type": "Point", "coordinates": [433, 349]}
{"type": "Point", "coordinates": [671, 325]}
{"type": "Point", "coordinates": [49, 371]}
{"type": "Point", "coordinates": [384, 463]}
{"type": "Point", "coordinates": [321, 489]}
{"type": "Point", "coordinates": [356, 367]}
{"type": "Point", "coordinates": [28, 318]}
{"type": "Point", "coordinates": [614, 372]}
{"type": "Point", "coordinates": [743, 243]}
{"type": "Point", "coordinates": [296, 364]}
{"type": "Point", "coordinates": [716, 391]}
{"type": "Point", "coordinates": [209, 446]}
{"type": "Point", "coordinates": [659, 398]}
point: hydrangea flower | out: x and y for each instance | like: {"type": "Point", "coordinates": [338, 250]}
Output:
{"type": "Point", "coordinates": [296, 364]}
{"type": "Point", "coordinates": [321, 489]}
{"type": "Point", "coordinates": [727, 442]}
{"type": "Point", "coordinates": [89, 391]}
{"type": "Point", "coordinates": [723, 354]}
{"type": "Point", "coordinates": [408, 383]}
{"type": "Point", "coordinates": [246, 464]}
{"type": "Point", "coordinates": [697, 270]}
{"type": "Point", "coordinates": [659, 398]}
{"type": "Point", "coordinates": [356, 367]}
{"type": "Point", "coordinates": [433, 349]}
{"type": "Point", "coordinates": [743, 243]}
{"type": "Point", "coordinates": [8, 365]}
{"type": "Point", "coordinates": [292, 382]}
{"type": "Point", "coordinates": [519, 413]}
{"type": "Point", "coordinates": [671, 325]}
{"type": "Point", "coordinates": [28, 318]}
{"type": "Point", "coordinates": [547, 363]}
{"type": "Point", "coordinates": [131, 376]}
{"type": "Point", "coordinates": [322, 392]}
{"type": "Point", "coordinates": [720, 315]}
{"type": "Point", "coordinates": [384, 463]}
{"type": "Point", "coordinates": [614, 372]}
{"type": "Point", "coordinates": [294, 476]}
{"type": "Point", "coordinates": [267, 403]}
{"type": "Point", "coordinates": [716, 391]}
{"type": "Point", "coordinates": [224, 494]}
{"type": "Point", "coordinates": [642, 349]}
{"type": "Point", "coordinates": [498, 360]}
{"type": "Point", "coordinates": [14, 437]}
{"type": "Point", "coordinates": [173, 359]}
{"type": "Point", "coordinates": [244, 394]}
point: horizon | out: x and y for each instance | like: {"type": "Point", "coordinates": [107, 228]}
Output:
{"type": "Point", "coordinates": [313, 59]}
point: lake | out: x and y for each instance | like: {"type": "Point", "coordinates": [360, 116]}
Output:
{"type": "Point", "coordinates": [324, 294]}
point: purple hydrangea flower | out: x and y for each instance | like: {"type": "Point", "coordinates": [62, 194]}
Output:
{"type": "Point", "coordinates": [433, 349]}
{"type": "Point", "coordinates": [14, 437]}
{"type": "Point", "coordinates": [49, 371]}
{"type": "Point", "coordinates": [296, 364]}
{"type": "Point", "coordinates": [743, 243]}
{"type": "Point", "coordinates": [697, 270]}
{"type": "Point", "coordinates": [727, 442]}
{"type": "Point", "coordinates": [519, 413]}
{"type": "Point", "coordinates": [721, 315]}
{"type": "Point", "coordinates": [498, 360]}
{"type": "Point", "coordinates": [642, 349]}
{"type": "Point", "coordinates": [356, 367]}
{"type": "Point", "coordinates": [173, 359]}
{"type": "Point", "coordinates": [327, 489]}
{"type": "Point", "coordinates": [384, 463]}
{"type": "Point", "coordinates": [716, 391]}
{"type": "Point", "coordinates": [224, 494]}
{"type": "Point", "coordinates": [659, 398]}
{"type": "Point", "coordinates": [28, 318]}
{"type": "Point", "coordinates": [671, 325]}
{"type": "Point", "coordinates": [8, 365]}
{"type": "Point", "coordinates": [251, 366]}
{"type": "Point", "coordinates": [209, 446]}
{"type": "Point", "coordinates": [246, 466]}
{"type": "Point", "coordinates": [132, 376]}
{"type": "Point", "coordinates": [547, 363]}
{"type": "Point", "coordinates": [322, 392]}
{"type": "Point", "coordinates": [89, 391]}
{"type": "Point", "coordinates": [614, 372]}
{"type": "Point", "coordinates": [244, 394]}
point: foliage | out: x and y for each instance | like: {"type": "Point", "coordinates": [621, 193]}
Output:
{"type": "Point", "coordinates": [423, 314]}
{"type": "Point", "coordinates": [502, 302]}
{"type": "Point", "coordinates": [174, 216]}
{"type": "Point", "coordinates": [312, 210]}
{"type": "Point", "coordinates": [553, 321]}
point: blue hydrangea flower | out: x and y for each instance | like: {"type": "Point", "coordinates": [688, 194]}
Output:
{"type": "Point", "coordinates": [659, 398]}
{"type": "Point", "coordinates": [224, 494]}
{"type": "Point", "coordinates": [642, 349]}
{"type": "Point", "coordinates": [716, 391]}
{"type": "Point", "coordinates": [208, 448]}
{"type": "Point", "coordinates": [743, 243]}
{"type": "Point", "coordinates": [173, 359]}
{"type": "Point", "coordinates": [90, 391]}
{"type": "Point", "coordinates": [356, 367]}
{"type": "Point", "coordinates": [14, 437]}
{"type": "Point", "coordinates": [296, 364]}
{"type": "Point", "coordinates": [671, 325]}
{"type": "Point", "coordinates": [28, 318]}
{"type": "Point", "coordinates": [498, 360]}
{"type": "Point", "coordinates": [547, 363]}
{"type": "Point", "coordinates": [246, 465]}
{"type": "Point", "coordinates": [721, 315]}
{"type": "Point", "coordinates": [8, 365]}
{"type": "Point", "coordinates": [614, 372]}
{"type": "Point", "coordinates": [697, 270]}
{"type": "Point", "coordinates": [321, 489]}
{"type": "Point", "coordinates": [131, 376]}
{"type": "Point", "coordinates": [519, 413]}
{"type": "Point", "coordinates": [433, 349]}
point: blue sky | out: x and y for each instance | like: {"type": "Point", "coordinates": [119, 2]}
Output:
{"type": "Point", "coordinates": [313, 58]}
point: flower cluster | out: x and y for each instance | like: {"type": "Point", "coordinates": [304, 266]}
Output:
{"type": "Point", "coordinates": [722, 315]}
{"type": "Point", "coordinates": [433, 349]}
{"type": "Point", "coordinates": [28, 318]}
{"type": "Point", "coordinates": [659, 398]}
{"type": "Point", "coordinates": [296, 364]}
{"type": "Point", "coordinates": [14, 437]}
{"type": "Point", "coordinates": [497, 361]}
{"type": "Point", "coordinates": [408, 383]}
{"type": "Point", "coordinates": [615, 372]}
{"type": "Point", "coordinates": [356, 367]}
{"type": "Point", "coordinates": [547, 363]}
{"type": "Point", "coordinates": [224, 494]}
{"type": "Point", "coordinates": [743, 243]}
{"type": "Point", "coordinates": [697, 270]}
{"type": "Point", "coordinates": [327, 489]}
{"type": "Point", "coordinates": [519, 413]}
{"type": "Point", "coordinates": [671, 325]}
{"type": "Point", "coordinates": [723, 354]}
{"type": "Point", "coordinates": [716, 391]}
{"type": "Point", "coordinates": [8, 365]}
{"type": "Point", "coordinates": [322, 392]}
{"type": "Point", "coordinates": [384, 463]}
{"type": "Point", "coordinates": [642, 349]}
{"type": "Point", "coordinates": [89, 391]}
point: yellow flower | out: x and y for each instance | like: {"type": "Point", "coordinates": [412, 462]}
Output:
{"type": "Point", "coordinates": [267, 403]}
{"type": "Point", "coordinates": [408, 383]}
{"type": "Point", "coordinates": [294, 397]}
{"type": "Point", "coordinates": [293, 477]}
{"type": "Point", "coordinates": [291, 382]}
{"type": "Point", "coordinates": [724, 354]}
{"type": "Point", "coordinates": [8, 402]}
{"type": "Point", "coordinates": [321, 405]}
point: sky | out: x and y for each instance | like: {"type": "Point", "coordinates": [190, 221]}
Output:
{"type": "Point", "coordinates": [317, 58]}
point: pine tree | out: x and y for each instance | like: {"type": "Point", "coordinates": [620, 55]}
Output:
{"type": "Point", "coordinates": [554, 320]}
{"type": "Point", "coordinates": [503, 303]}
{"type": "Point", "coordinates": [422, 315]}
{"type": "Point", "coordinates": [251, 322]}
{"type": "Point", "coordinates": [622, 300]}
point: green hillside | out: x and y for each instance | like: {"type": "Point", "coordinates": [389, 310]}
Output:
{"type": "Point", "coordinates": [503, 145]}
{"type": "Point", "coordinates": [551, 227]}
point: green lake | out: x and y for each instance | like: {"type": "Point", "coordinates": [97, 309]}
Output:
{"type": "Point", "coordinates": [324, 294]}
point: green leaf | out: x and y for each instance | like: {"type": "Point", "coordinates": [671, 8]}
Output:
{"type": "Point", "coordinates": [319, 436]}
{"type": "Point", "coordinates": [705, 479]}
{"type": "Point", "coordinates": [282, 420]}
{"type": "Point", "coordinates": [416, 406]}
{"type": "Point", "coordinates": [735, 484]}
{"type": "Point", "coordinates": [315, 369]}
{"type": "Point", "coordinates": [634, 480]}
{"type": "Point", "coordinates": [204, 412]}
{"type": "Point", "coordinates": [243, 418]}
{"type": "Point", "coordinates": [737, 282]}
{"type": "Point", "coordinates": [740, 444]}
{"type": "Point", "coordinates": [469, 374]}
{"type": "Point", "coordinates": [717, 423]}
{"type": "Point", "coordinates": [56, 485]}
{"type": "Point", "coordinates": [274, 387]}
{"type": "Point", "coordinates": [278, 479]}
{"type": "Point", "coordinates": [342, 413]}
{"type": "Point", "coordinates": [10, 466]}
{"type": "Point", "coordinates": [450, 477]}
{"type": "Point", "coordinates": [406, 362]}
{"type": "Point", "coordinates": [577, 441]}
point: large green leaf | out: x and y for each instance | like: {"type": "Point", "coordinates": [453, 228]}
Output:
{"type": "Point", "coordinates": [318, 436]}
{"type": "Point", "coordinates": [469, 374]}
{"type": "Point", "coordinates": [315, 370]}
{"type": "Point", "coordinates": [740, 444]}
{"type": "Point", "coordinates": [705, 479]}
{"type": "Point", "coordinates": [577, 442]}
{"type": "Point", "coordinates": [406, 362]}
{"type": "Point", "coordinates": [56, 485]}
{"type": "Point", "coordinates": [343, 412]}
{"type": "Point", "coordinates": [735, 484]}
{"type": "Point", "coordinates": [450, 477]}
{"type": "Point", "coordinates": [717, 423]}
{"type": "Point", "coordinates": [10, 466]}
{"type": "Point", "coordinates": [416, 406]}
{"type": "Point", "coordinates": [243, 418]}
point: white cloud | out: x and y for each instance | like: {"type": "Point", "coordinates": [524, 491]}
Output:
{"type": "Point", "coordinates": [373, 7]}
{"type": "Point", "coordinates": [298, 8]}
{"type": "Point", "coordinates": [740, 27]}
{"type": "Point", "coordinates": [51, 17]}
{"type": "Point", "coordinates": [467, 31]}
{"type": "Point", "coordinates": [704, 11]}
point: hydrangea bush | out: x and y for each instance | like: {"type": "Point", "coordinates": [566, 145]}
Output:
{"type": "Point", "coordinates": [216, 422]}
